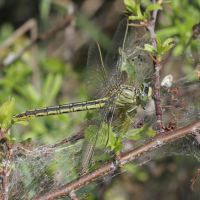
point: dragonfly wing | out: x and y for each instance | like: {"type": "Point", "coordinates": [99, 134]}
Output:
{"type": "Point", "coordinates": [96, 76]}
{"type": "Point", "coordinates": [142, 63]}
{"type": "Point", "coordinates": [97, 126]}
{"type": "Point", "coordinates": [113, 58]}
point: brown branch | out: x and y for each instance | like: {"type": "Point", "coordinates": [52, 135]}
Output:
{"type": "Point", "coordinates": [156, 95]}
{"type": "Point", "coordinates": [157, 142]}
{"type": "Point", "coordinates": [41, 37]}
{"type": "Point", "coordinates": [7, 151]}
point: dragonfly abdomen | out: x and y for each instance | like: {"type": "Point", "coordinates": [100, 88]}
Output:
{"type": "Point", "coordinates": [61, 109]}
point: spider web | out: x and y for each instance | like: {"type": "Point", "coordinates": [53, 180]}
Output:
{"type": "Point", "coordinates": [39, 168]}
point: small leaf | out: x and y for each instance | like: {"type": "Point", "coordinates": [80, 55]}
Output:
{"type": "Point", "coordinates": [8, 136]}
{"type": "Point", "coordinates": [128, 67]}
{"type": "Point", "coordinates": [111, 141]}
{"type": "Point", "coordinates": [127, 11]}
{"type": "Point", "coordinates": [151, 133]}
{"type": "Point", "coordinates": [153, 7]}
{"type": "Point", "coordinates": [13, 139]}
{"type": "Point", "coordinates": [6, 111]}
{"type": "Point", "coordinates": [167, 41]}
{"type": "Point", "coordinates": [158, 40]}
{"type": "Point", "coordinates": [167, 48]}
{"type": "Point", "coordinates": [160, 49]}
{"type": "Point", "coordinates": [115, 145]}
{"type": "Point", "coordinates": [137, 133]}
{"type": "Point", "coordinates": [21, 122]}
{"type": "Point", "coordinates": [131, 6]}
{"type": "Point", "coordinates": [149, 48]}
{"type": "Point", "coordinates": [139, 17]}
{"type": "Point", "coordinates": [118, 145]}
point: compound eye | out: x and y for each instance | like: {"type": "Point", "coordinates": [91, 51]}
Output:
{"type": "Point", "coordinates": [143, 96]}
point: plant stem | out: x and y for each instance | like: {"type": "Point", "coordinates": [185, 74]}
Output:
{"type": "Point", "coordinates": [159, 118]}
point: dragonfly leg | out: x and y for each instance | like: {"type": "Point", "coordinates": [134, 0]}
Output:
{"type": "Point", "coordinates": [128, 111]}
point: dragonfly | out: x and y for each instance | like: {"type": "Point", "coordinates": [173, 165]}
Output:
{"type": "Point", "coordinates": [104, 84]}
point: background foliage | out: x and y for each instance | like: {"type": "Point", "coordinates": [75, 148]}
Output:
{"type": "Point", "coordinates": [57, 77]}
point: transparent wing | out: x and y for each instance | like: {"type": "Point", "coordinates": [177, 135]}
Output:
{"type": "Point", "coordinates": [113, 58]}
{"type": "Point", "coordinates": [142, 63]}
{"type": "Point", "coordinates": [97, 125]}
{"type": "Point", "coordinates": [96, 77]}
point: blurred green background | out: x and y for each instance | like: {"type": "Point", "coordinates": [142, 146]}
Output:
{"type": "Point", "coordinates": [52, 73]}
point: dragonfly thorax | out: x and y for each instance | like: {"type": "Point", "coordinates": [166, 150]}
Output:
{"type": "Point", "coordinates": [129, 95]}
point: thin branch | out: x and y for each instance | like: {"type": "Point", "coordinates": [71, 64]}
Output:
{"type": "Point", "coordinates": [156, 95]}
{"type": "Point", "coordinates": [7, 148]}
{"type": "Point", "coordinates": [159, 141]}
{"type": "Point", "coordinates": [41, 37]}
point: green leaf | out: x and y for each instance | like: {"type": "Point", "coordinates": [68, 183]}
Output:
{"type": "Point", "coordinates": [127, 11]}
{"type": "Point", "coordinates": [6, 111]}
{"type": "Point", "coordinates": [159, 49]}
{"type": "Point", "coordinates": [151, 133]}
{"type": "Point", "coordinates": [8, 137]}
{"type": "Point", "coordinates": [158, 40]}
{"type": "Point", "coordinates": [150, 49]}
{"type": "Point", "coordinates": [111, 141]}
{"type": "Point", "coordinates": [153, 7]}
{"type": "Point", "coordinates": [19, 122]}
{"type": "Point", "coordinates": [167, 48]}
{"type": "Point", "coordinates": [118, 145]}
{"type": "Point", "coordinates": [115, 145]}
{"type": "Point", "coordinates": [137, 133]}
{"type": "Point", "coordinates": [131, 6]}
{"type": "Point", "coordinates": [167, 41]}
{"type": "Point", "coordinates": [128, 67]}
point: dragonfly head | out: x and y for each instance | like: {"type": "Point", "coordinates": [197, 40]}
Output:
{"type": "Point", "coordinates": [146, 92]}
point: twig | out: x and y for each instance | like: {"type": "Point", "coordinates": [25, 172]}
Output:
{"type": "Point", "coordinates": [68, 19]}
{"type": "Point", "coordinates": [28, 25]}
{"type": "Point", "coordinates": [195, 178]}
{"type": "Point", "coordinates": [6, 169]}
{"type": "Point", "coordinates": [157, 66]}
{"type": "Point", "coordinates": [159, 141]}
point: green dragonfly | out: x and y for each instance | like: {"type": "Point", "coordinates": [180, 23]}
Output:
{"type": "Point", "coordinates": [104, 84]}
